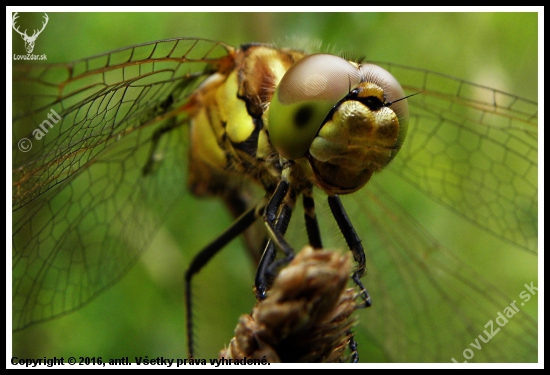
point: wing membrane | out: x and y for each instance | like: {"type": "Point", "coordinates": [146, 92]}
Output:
{"type": "Point", "coordinates": [430, 302]}
{"type": "Point", "coordinates": [81, 199]}
{"type": "Point", "coordinates": [474, 149]}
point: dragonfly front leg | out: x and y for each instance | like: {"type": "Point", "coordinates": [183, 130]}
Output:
{"type": "Point", "coordinates": [354, 243]}
{"type": "Point", "coordinates": [352, 344]}
{"type": "Point", "coordinates": [312, 226]}
{"type": "Point", "coordinates": [276, 217]}
{"type": "Point", "coordinates": [282, 202]}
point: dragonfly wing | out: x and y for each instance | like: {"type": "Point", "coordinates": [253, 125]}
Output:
{"type": "Point", "coordinates": [473, 149]}
{"type": "Point", "coordinates": [90, 193]}
{"type": "Point", "coordinates": [430, 302]}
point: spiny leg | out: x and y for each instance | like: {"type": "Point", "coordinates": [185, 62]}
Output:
{"type": "Point", "coordinates": [280, 208]}
{"type": "Point", "coordinates": [282, 202]}
{"type": "Point", "coordinates": [265, 272]}
{"type": "Point", "coordinates": [312, 226]}
{"type": "Point", "coordinates": [354, 243]}
{"type": "Point", "coordinates": [265, 266]}
{"type": "Point", "coordinates": [261, 281]}
{"type": "Point", "coordinates": [276, 217]}
{"type": "Point", "coordinates": [255, 237]}
{"type": "Point", "coordinates": [206, 254]}
{"type": "Point", "coordinates": [353, 348]}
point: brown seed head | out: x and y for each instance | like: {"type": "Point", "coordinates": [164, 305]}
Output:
{"type": "Point", "coordinates": [306, 316]}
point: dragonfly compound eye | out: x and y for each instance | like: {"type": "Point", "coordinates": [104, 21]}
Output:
{"type": "Point", "coordinates": [306, 94]}
{"type": "Point", "coordinates": [363, 134]}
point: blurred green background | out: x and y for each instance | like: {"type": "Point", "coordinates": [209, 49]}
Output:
{"type": "Point", "coordinates": [143, 313]}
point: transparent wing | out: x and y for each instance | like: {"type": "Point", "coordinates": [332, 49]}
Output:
{"type": "Point", "coordinates": [437, 293]}
{"type": "Point", "coordinates": [473, 149]}
{"type": "Point", "coordinates": [90, 191]}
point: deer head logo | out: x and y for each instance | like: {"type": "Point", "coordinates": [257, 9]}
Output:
{"type": "Point", "coordinates": [29, 40]}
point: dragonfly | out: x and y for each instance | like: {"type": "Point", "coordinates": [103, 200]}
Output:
{"type": "Point", "coordinates": [82, 194]}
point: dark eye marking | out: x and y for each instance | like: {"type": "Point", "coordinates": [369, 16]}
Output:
{"type": "Point", "coordinates": [303, 115]}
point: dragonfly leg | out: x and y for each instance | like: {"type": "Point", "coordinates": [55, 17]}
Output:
{"type": "Point", "coordinates": [255, 237]}
{"type": "Point", "coordinates": [354, 243]}
{"type": "Point", "coordinates": [312, 226]}
{"type": "Point", "coordinates": [206, 254]}
{"type": "Point", "coordinates": [261, 280]}
{"type": "Point", "coordinates": [353, 348]}
{"type": "Point", "coordinates": [276, 217]}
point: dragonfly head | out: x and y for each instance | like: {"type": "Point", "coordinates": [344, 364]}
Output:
{"type": "Point", "coordinates": [340, 121]}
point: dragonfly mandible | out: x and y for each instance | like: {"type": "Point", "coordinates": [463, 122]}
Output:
{"type": "Point", "coordinates": [116, 157]}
